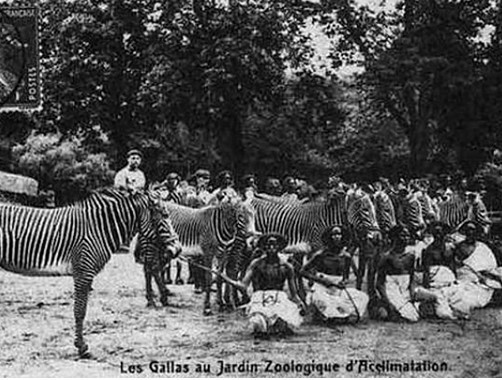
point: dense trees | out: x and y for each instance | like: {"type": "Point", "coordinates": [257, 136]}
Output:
{"type": "Point", "coordinates": [233, 85]}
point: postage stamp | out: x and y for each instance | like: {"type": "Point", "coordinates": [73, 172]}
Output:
{"type": "Point", "coordinates": [20, 82]}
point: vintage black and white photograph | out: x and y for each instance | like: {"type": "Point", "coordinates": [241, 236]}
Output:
{"type": "Point", "coordinates": [250, 188]}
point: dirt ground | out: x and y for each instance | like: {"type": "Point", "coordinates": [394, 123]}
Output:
{"type": "Point", "coordinates": [36, 337]}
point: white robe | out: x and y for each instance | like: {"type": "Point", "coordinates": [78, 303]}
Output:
{"type": "Point", "coordinates": [333, 302]}
{"type": "Point", "coordinates": [267, 306]}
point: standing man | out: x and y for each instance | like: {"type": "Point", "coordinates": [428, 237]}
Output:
{"type": "Point", "coordinates": [225, 192]}
{"type": "Point", "coordinates": [291, 187]}
{"type": "Point", "coordinates": [131, 177]}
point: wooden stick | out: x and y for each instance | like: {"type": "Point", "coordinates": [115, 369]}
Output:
{"type": "Point", "coordinates": [321, 279]}
{"type": "Point", "coordinates": [223, 276]}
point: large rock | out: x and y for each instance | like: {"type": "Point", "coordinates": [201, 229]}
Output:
{"type": "Point", "coordinates": [18, 184]}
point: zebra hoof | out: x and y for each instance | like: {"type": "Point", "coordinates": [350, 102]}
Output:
{"type": "Point", "coordinates": [83, 352]}
{"type": "Point", "coordinates": [164, 302]}
{"type": "Point", "coordinates": [150, 304]}
{"type": "Point", "coordinates": [168, 281]}
{"type": "Point", "coordinates": [208, 312]}
{"type": "Point", "coordinates": [179, 282]}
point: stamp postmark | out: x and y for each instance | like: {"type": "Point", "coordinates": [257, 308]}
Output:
{"type": "Point", "coordinates": [20, 82]}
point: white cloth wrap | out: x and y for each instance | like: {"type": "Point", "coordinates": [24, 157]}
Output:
{"type": "Point", "coordinates": [267, 306]}
{"type": "Point", "coordinates": [459, 296]}
{"type": "Point", "coordinates": [398, 292]}
{"type": "Point", "coordinates": [333, 302]}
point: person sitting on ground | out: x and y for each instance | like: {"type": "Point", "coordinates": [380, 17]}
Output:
{"type": "Point", "coordinates": [395, 278]}
{"type": "Point", "coordinates": [270, 310]}
{"type": "Point", "coordinates": [438, 266]}
{"type": "Point", "coordinates": [334, 303]}
{"type": "Point", "coordinates": [473, 260]}
{"type": "Point", "coordinates": [131, 178]}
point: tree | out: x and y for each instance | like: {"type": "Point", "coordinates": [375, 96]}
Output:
{"type": "Point", "coordinates": [63, 164]}
{"type": "Point", "coordinates": [422, 61]}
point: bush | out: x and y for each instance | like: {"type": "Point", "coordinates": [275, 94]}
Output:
{"type": "Point", "coordinates": [62, 164]}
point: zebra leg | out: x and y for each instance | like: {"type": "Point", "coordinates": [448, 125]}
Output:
{"type": "Point", "coordinates": [178, 280]}
{"type": "Point", "coordinates": [297, 265]}
{"type": "Point", "coordinates": [198, 276]}
{"type": "Point", "coordinates": [207, 276]}
{"type": "Point", "coordinates": [167, 272]}
{"type": "Point", "coordinates": [150, 296]}
{"type": "Point", "coordinates": [164, 293]}
{"type": "Point", "coordinates": [361, 268]}
{"type": "Point", "coordinates": [82, 287]}
{"type": "Point", "coordinates": [230, 295]}
{"type": "Point", "coordinates": [219, 294]}
{"type": "Point", "coordinates": [372, 265]}
{"type": "Point", "coordinates": [191, 273]}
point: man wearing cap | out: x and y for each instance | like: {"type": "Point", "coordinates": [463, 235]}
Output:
{"type": "Point", "coordinates": [172, 191]}
{"type": "Point", "coordinates": [202, 178]}
{"type": "Point", "coordinates": [131, 177]}
{"type": "Point", "coordinates": [291, 187]}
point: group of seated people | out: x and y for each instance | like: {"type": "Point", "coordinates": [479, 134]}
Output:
{"type": "Point", "coordinates": [451, 276]}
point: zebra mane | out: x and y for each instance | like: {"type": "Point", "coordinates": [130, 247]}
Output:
{"type": "Point", "coordinates": [110, 193]}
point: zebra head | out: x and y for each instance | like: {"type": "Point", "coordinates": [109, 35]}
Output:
{"type": "Point", "coordinates": [385, 213]}
{"type": "Point", "coordinates": [361, 213]}
{"type": "Point", "coordinates": [156, 232]}
{"type": "Point", "coordinates": [166, 236]}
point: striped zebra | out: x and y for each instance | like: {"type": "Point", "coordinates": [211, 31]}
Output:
{"type": "Point", "coordinates": [304, 224]}
{"type": "Point", "coordinates": [154, 257]}
{"type": "Point", "coordinates": [457, 210]}
{"type": "Point", "coordinates": [409, 211]}
{"type": "Point", "coordinates": [209, 233]}
{"type": "Point", "coordinates": [384, 210]}
{"type": "Point", "coordinates": [76, 240]}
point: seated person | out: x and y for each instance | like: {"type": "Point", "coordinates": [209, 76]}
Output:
{"type": "Point", "coordinates": [437, 271]}
{"type": "Point", "coordinates": [472, 260]}
{"type": "Point", "coordinates": [395, 278]}
{"type": "Point", "coordinates": [270, 310]}
{"type": "Point", "coordinates": [334, 303]}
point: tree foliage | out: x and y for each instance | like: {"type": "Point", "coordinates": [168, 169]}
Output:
{"type": "Point", "coordinates": [63, 164]}
{"type": "Point", "coordinates": [232, 85]}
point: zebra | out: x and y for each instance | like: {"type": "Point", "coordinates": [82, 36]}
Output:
{"type": "Point", "coordinates": [152, 256]}
{"type": "Point", "coordinates": [304, 224]}
{"type": "Point", "coordinates": [408, 209]}
{"type": "Point", "coordinates": [385, 212]}
{"type": "Point", "coordinates": [76, 240]}
{"type": "Point", "coordinates": [457, 210]}
{"type": "Point", "coordinates": [209, 233]}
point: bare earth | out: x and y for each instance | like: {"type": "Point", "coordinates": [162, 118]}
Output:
{"type": "Point", "coordinates": [36, 336]}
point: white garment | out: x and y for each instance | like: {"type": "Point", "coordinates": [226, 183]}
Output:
{"type": "Point", "coordinates": [333, 302]}
{"type": "Point", "coordinates": [130, 179]}
{"type": "Point", "coordinates": [267, 306]}
{"type": "Point", "coordinates": [459, 296]}
{"type": "Point", "coordinates": [398, 292]}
